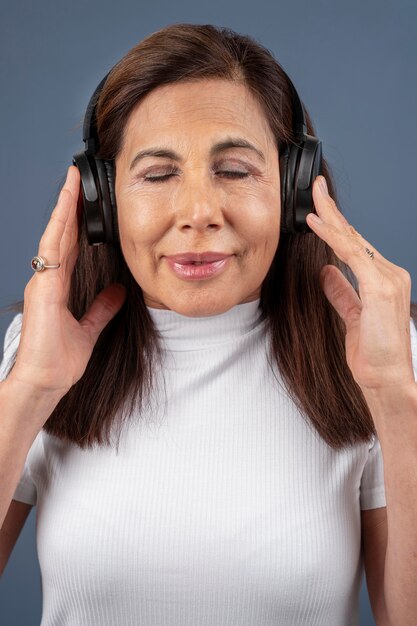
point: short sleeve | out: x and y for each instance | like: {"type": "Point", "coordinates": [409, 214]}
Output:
{"type": "Point", "coordinates": [26, 488]}
{"type": "Point", "coordinates": [11, 341]}
{"type": "Point", "coordinates": [372, 490]}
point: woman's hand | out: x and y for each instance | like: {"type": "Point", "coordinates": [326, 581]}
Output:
{"type": "Point", "coordinates": [54, 347]}
{"type": "Point", "coordinates": [378, 345]}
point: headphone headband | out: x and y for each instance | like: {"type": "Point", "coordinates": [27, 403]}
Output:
{"type": "Point", "coordinates": [90, 136]}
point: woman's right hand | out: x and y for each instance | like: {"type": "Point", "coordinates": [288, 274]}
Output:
{"type": "Point", "coordinates": [54, 348]}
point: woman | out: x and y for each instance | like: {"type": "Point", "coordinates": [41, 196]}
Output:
{"type": "Point", "coordinates": [259, 393]}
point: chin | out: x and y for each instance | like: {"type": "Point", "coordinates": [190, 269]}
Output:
{"type": "Point", "coordinates": [201, 304]}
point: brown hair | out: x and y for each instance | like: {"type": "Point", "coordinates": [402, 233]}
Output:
{"type": "Point", "coordinates": [306, 334]}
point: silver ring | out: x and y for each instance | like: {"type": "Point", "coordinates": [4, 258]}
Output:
{"type": "Point", "coordinates": [38, 264]}
{"type": "Point", "coordinates": [368, 251]}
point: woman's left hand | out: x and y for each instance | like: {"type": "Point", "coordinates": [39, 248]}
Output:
{"type": "Point", "coordinates": [378, 350]}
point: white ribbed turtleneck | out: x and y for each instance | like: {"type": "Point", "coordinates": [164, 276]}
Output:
{"type": "Point", "coordinates": [223, 507]}
{"type": "Point", "coordinates": [182, 333]}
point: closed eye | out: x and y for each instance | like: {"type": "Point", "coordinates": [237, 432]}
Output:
{"type": "Point", "coordinates": [234, 174]}
{"type": "Point", "coordinates": [226, 174]}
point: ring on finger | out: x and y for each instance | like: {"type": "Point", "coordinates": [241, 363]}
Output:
{"type": "Point", "coordinates": [38, 264]}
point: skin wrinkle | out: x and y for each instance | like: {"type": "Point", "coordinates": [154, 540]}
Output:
{"type": "Point", "coordinates": [197, 209]}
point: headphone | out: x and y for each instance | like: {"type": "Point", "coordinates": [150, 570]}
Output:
{"type": "Point", "coordinates": [300, 162]}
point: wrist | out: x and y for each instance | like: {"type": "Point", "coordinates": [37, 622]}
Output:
{"type": "Point", "coordinates": [33, 391]}
{"type": "Point", "coordinates": [26, 405]}
{"type": "Point", "coordinates": [389, 399]}
{"type": "Point", "coordinates": [393, 408]}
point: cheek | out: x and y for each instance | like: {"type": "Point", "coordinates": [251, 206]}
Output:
{"type": "Point", "coordinates": [261, 225]}
{"type": "Point", "coordinates": [270, 221]}
{"type": "Point", "coordinates": [263, 248]}
{"type": "Point", "coordinates": [140, 228]}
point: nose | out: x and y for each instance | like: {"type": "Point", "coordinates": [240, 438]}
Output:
{"type": "Point", "coordinates": [198, 204]}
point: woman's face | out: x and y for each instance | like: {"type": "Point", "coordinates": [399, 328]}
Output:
{"type": "Point", "coordinates": [216, 198]}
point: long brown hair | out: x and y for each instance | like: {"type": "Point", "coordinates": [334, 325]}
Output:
{"type": "Point", "coordinates": [306, 335]}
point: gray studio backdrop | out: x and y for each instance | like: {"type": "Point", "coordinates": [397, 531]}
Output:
{"type": "Point", "coordinates": [352, 64]}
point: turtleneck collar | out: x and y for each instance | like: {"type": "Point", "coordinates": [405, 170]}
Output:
{"type": "Point", "coordinates": [180, 332]}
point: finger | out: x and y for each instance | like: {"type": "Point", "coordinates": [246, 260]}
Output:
{"type": "Point", "coordinates": [340, 293]}
{"type": "Point", "coordinates": [73, 180]}
{"type": "Point", "coordinates": [50, 241]}
{"type": "Point", "coordinates": [328, 211]}
{"type": "Point", "coordinates": [371, 274]}
{"type": "Point", "coordinates": [69, 264]}
{"type": "Point", "coordinates": [103, 309]}
{"type": "Point", "coordinates": [325, 206]}
{"type": "Point", "coordinates": [70, 236]}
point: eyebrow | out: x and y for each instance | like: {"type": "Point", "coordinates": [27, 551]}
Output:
{"type": "Point", "coordinates": [220, 146]}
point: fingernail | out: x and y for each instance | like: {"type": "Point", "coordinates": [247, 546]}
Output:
{"type": "Point", "coordinates": [323, 185]}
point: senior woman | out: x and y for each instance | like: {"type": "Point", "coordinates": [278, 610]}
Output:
{"type": "Point", "coordinates": [265, 408]}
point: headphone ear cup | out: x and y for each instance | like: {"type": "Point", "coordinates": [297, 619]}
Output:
{"type": "Point", "coordinates": [288, 166]}
{"type": "Point", "coordinates": [300, 167]}
{"type": "Point", "coordinates": [283, 169]}
{"type": "Point", "coordinates": [111, 177]}
{"type": "Point", "coordinates": [106, 204]}
{"type": "Point", "coordinates": [90, 198]}
{"type": "Point", "coordinates": [310, 166]}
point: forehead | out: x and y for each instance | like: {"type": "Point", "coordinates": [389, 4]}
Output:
{"type": "Point", "coordinates": [203, 106]}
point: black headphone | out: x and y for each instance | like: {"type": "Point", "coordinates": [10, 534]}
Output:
{"type": "Point", "coordinates": [299, 162]}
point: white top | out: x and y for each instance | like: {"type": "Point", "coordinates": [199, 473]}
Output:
{"type": "Point", "coordinates": [227, 509]}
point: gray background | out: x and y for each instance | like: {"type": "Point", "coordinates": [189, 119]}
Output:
{"type": "Point", "coordinates": [353, 64]}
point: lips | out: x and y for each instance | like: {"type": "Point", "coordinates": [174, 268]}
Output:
{"type": "Point", "coordinates": [188, 258]}
{"type": "Point", "coordinates": [195, 271]}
